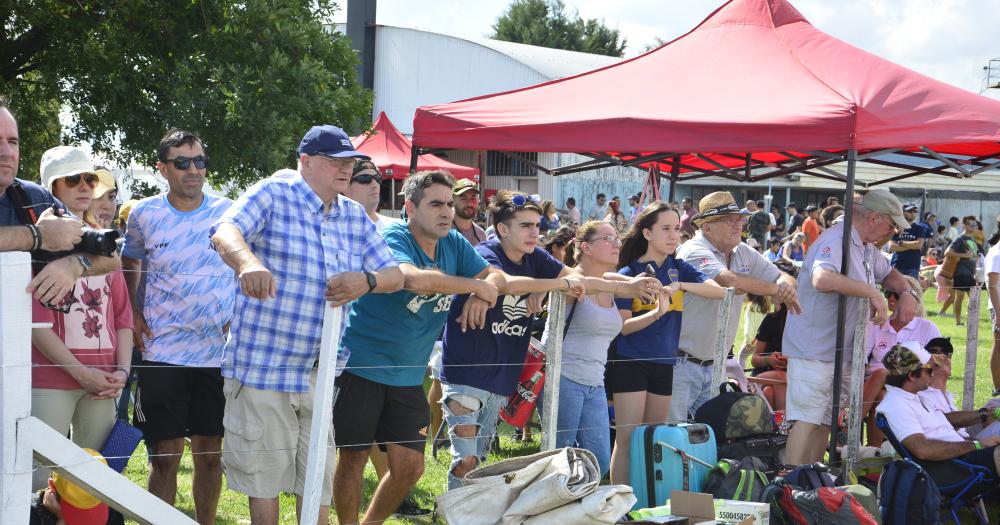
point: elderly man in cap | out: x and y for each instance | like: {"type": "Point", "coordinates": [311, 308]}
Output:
{"type": "Point", "coordinates": [293, 240]}
{"type": "Point", "coordinates": [907, 245]}
{"type": "Point", "coordinates": [931, 435]}
{"type": "Point", "coordinates": [717, 252]}
{"type": "Point", "coordinates": [809, 340]}
{"type": "Point", "coordinates": [466, 197]}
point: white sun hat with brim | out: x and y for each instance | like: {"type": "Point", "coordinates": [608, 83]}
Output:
{"type": "Point", "coordinates": [65, 161]}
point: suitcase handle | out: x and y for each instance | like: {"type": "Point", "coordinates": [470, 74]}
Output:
{"type": "Point", "coordinates": [697, 433]}
{"type": "Point", "coordinates": [684, 455]}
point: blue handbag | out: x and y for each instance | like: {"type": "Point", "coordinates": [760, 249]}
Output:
{"type": "Point", "coordinates": [121, 443]}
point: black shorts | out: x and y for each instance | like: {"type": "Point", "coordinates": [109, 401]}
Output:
{"type": "Point", "coordinates": [626, 375]}
{"type": "Point", "coordinates": [983, 458]}
{"type": "Point", "coordinates": [174, 401]}
{"type": "Point", "coordinates": [963, 282]}
{"type": "Point", "coordinates": [367, 413]}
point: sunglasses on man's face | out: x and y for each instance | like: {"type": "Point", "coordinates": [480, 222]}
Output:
{"type": "Point", "coordinates": [183, 163]}
{"type": "Point", "coordinates": [74, 180]}
{"type": "Point", "coordinates": [365, 179]}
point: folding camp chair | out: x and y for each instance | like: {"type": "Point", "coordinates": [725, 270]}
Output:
{"type": "Point", "coordinates": [961, 484]}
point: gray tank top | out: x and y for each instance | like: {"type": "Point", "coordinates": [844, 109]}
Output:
{"type": "Point", "coordinates": [585, 348]}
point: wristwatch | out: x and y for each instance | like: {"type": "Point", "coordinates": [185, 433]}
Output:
{"type": "Point", "coordinates": [85, 262]}
{"type": "Point", "coordinates": [372, 282]}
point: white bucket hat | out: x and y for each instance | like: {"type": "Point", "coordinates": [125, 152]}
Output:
{"type": "Point", "coordinates": [65, 161]}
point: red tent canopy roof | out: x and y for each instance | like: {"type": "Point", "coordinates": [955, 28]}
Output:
{"type": "Point", "coordinates": [390, 150]}
{"type": "Point", "coordinates": [753, 77]}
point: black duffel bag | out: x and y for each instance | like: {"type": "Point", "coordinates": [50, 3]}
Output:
{"type": "Point", "coordinates": [769, 448]}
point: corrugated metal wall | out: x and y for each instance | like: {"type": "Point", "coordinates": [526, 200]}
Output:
{"type": "Point", "coordinates": [415, 68]}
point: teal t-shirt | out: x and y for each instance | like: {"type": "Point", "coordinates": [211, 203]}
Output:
{"type": "Point", "coordinates": [390, 336]}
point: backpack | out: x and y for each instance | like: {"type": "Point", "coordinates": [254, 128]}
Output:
{"type": "Point", "coordinates": [908, 495]}
{"type": "Point", "coordinates": [811, 477]}
{"type": "Point", "coordinates": [822, 506]}
{"type": "Point", "coordinates": [733, 414]}
{"type": "Point", "coordinates": [759, 223]}
{"type": "Point", "coordinates": [743, 480]}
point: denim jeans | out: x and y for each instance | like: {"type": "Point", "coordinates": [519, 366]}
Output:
{"type": "Point", "coordinates": [692, 387]}
{"type": "Point", "coordinates": [584, 421]}
{"type": "Point", "coordinates": [483, 416]}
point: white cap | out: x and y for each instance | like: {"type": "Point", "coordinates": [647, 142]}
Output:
{"type": "Point", "coordinates": [65, 161]}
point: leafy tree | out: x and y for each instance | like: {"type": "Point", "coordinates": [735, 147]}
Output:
{"type": "Point", "coordinates": [546, 23]}
{"type": "Point", "coordinates": [249, 77]}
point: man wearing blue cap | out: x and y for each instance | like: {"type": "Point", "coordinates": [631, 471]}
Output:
{"type": "Point", "coordinates": [292, 240]}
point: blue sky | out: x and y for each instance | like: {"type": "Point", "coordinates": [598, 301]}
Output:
{"type": "Point", "coordinates": [946, 39]}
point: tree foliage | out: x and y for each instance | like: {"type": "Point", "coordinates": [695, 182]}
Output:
{"type": "Point", "coordinates": [546, 23]}
{"type": "Point", "coordinates": [250, 77]}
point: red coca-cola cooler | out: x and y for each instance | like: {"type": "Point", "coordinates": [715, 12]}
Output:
{"type": "Point", "coordinates": [522, 402]}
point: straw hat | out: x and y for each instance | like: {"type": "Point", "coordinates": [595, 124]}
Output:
{"type": "Point", "coordinates": [715, 206]}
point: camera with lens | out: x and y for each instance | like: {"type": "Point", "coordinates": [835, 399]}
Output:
{"type": "Point", "coordinates": [94, 241]}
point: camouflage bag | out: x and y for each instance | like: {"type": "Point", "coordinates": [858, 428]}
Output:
{"type": "Point", "coordinates": [733, 414]}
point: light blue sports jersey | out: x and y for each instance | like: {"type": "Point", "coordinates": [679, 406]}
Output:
{"type": "Point", "coordinates": [190, 292]}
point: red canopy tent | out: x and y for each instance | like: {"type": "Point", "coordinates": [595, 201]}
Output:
{"type": "Point", "coordinates": [753, 92]}
{"type": "Point", "coordinates": [390, 151]}
{"type": "Point", "coordinates": [754, 85]}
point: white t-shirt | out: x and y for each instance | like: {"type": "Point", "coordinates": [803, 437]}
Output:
{"type": "Point", "coordinates": [384, 221]}
{"type": "Point", "coordinates": [908, 416]}
{"type": "Point", "coordinates": [992, 264]}
{"type": "Point", "coordinates": [944, 402]}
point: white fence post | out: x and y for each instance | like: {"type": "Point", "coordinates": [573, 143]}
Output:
{"type": "Point", "coordinates": [553, 369]}
{"type": "Point", "coordinates": [855, 398]}
{"type": "Point", "coordinates": [971, 349]}
{"type": "Point", "coordinates": [721, 351]}
{"type": "Point", "coordinates": [15, 386]}
{"type": "Point", "coordinates": [322, 416]}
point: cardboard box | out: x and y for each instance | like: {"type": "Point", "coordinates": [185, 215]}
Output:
{"type": "Point", "coordinates": [694, 508]}
{"type": "Point", "coordinates": [731, 511]}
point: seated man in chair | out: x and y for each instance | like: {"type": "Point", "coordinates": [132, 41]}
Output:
{"type": "Point", "coordinates": [931, 435]}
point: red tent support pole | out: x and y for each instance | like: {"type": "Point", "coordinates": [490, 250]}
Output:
{"type": "Point", "coordinates": [845, 261]}
{"type": "Point", "coordinates": [675, 173]}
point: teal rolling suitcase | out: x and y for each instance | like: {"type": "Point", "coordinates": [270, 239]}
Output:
{"type": "Point", "coordinates": [669, 457]}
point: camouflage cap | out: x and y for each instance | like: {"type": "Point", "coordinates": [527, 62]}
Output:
{"type": "Point", "coordinates": [905, 358]}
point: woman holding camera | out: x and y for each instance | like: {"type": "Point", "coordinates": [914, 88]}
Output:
{"type": "Point", "coordinates": [81, 362]}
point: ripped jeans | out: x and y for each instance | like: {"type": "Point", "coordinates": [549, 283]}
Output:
{"type": "Point", "coordinates": [483, 409]}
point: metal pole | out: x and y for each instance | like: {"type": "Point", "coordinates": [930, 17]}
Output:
{"type": "Point", "coordinates": [721, 351]}
{"type": "Point", "coordinates": [414, 153]}
{"type": "Point", "coordinates": [553, 369]}
{"type": "Point", "coordinates": [854, 398]}
{"type": "Point", "coordinates": [971, 348]}
{"type": "Point", "coordinates": [675, 173]}
{"type": "Point", "coordinates": [322, 414]}
{"type": "Point", "coordinates": [845, 261]}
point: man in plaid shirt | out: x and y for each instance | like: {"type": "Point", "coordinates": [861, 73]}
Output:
{"type": "Point", "coordinates": [292, 240]}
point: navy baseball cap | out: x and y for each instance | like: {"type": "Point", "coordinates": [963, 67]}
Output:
{"type": "Point", "coordinates": [328, 141]}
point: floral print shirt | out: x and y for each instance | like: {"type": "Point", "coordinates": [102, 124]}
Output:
{"type": "Point", "coordinates": [98, 308]}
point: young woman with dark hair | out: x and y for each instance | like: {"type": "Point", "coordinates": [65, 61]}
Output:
{"type": "Point", "coordinates": [641, 373]}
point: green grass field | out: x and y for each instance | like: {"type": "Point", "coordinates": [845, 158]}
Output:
{"type": "Point", "coordinates": [233, 506]}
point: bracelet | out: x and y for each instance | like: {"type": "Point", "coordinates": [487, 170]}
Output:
{"type": "Point", "coordinates": [984, 414]}
{"type": "Point", "coordinates": [567, 284]}
{"type": "Point", "coordinates": [996, 413]}
{"type": "Point", "coordinates": [36, 237]}
{"type": "Point", "coordinates": [680, 286]}
{"type": "Point", "coordinates": [977, 444]}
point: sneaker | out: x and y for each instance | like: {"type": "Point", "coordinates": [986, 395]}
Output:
{"type": "Point", "coordinates": [410, 509]}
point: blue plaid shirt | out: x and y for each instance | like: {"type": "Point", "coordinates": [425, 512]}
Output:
{"type": "Point", "coordinates": [274, 344]}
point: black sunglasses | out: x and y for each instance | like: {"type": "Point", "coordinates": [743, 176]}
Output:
{"type": "Point", "coordinates": [183, 163]}
{"type": "Point", "coordinates": [366, 179]}
{"type": "Point", "coordinates": [939, 351]}
{"type": "Point", "coordinates": [73, 180]}
{"type": "Point", "coordinates": [65, 305]}
{"type": "Point", "coordinates": [892, 295]}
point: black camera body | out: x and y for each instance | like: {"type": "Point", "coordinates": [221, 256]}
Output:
{"type": "Point", "coordinates": [94, 241]}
